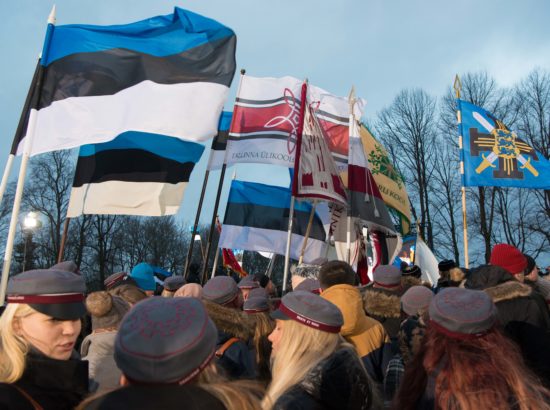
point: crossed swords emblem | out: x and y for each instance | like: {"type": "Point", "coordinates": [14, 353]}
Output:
{"type": "Point", "coordinates": [504, 145]}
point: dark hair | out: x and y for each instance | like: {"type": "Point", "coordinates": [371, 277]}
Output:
{"type": "Point", "coordinates": [336, 273]}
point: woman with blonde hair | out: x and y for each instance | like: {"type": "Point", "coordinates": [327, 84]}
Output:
{"type": "Point", "coordinates": [312, 366]}
{"type": "Point", "coordinates": [38, 330]}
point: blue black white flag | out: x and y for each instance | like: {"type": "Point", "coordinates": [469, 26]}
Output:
{"type": "Point", "coordinates": [167, 75]}
{"type": "Point", "coordinates": [493, 155]}
{"type": "Point", "coordinates": [219, 143]}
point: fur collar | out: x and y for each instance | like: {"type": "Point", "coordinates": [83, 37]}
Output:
{"type": "Point", "coordinates": [508, 290]}
{"type": "Point", "coordinates": [379, 302]}
{"type": "Point", "coordinates": [231, 321]}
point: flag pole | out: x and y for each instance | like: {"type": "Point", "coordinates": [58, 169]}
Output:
{"type": "Point", "coordinates": [351, 100]}
{"type": "Point", "coordinates": [270, 265]}
{"type": "Point", "coordinates": [63, 240]}
{"type": "Point", "coordinates": [27, 148]}
{"type": "Point", "coordinates": [19, 131]}
{"type": "Point", "coordinates": [457, 86]}
{"type": "Point", "coordinates": [294, 183]}
{"type": "Point", "coordinates": [218, 196]}
{"type": "Point", "coordinates": [308, 230]}
{"type": "Point", "coordinates": [215, 265]}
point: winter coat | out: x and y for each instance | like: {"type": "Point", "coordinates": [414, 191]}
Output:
{"type": "Point", "coordinates": [98, 349]}
{"type": "Point", "coordinates": [385, 306]}
{"type": "Point", "coordinates": [367, 335]}
{"type": "Point", "coordinates": [524, 320]}
{"type": "Point", "coordinates": [238, 360]}
{"type": "Point", "coordinates": [165, 397]}
{"type": "Point", "coordinates": [338, 382]}
{"type": "Point", "coordinates": [52, 384]}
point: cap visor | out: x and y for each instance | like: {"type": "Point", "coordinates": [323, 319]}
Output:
{"type": "Point", "coordinates": [63, 311]}
{"type": "Point", "coordinates": [277, 314]}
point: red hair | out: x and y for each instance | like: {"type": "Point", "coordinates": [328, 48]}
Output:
{"type": "Point", "coordinates": [482, 373]}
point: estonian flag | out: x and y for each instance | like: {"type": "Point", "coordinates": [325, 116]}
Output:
{"type": "Point", "coordinates": [219, 143]}
{"type": "Point", "coordinates": [166, 75]}
{"type": "Point", "coordinates": [256, 219]}
{"type": "Point", "coordinates": [134, 174]}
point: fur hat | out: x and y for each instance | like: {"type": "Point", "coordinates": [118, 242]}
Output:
{"type": "Point", "coordinates": [107, 311]}
{"type": "Point", "coordinates": [508, 257]}
{"type": "Point", "coordinates": [445, 265]}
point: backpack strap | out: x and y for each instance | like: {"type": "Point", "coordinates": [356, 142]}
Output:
{"type": "Point", "coordinates": [28, 397]}
{"type": "Point", "coordinates": [225, 346]}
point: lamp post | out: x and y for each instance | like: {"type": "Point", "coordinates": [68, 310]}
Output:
{"type": "Point", "coordinates": [30, 224]}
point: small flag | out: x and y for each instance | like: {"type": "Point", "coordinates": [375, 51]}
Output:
{"type": "Point", "coordinates": [426, 261]}
{"type": "Point", "coordinates": [256, 219]}
{"type": "Point", "coordinates": [229, 259]}
{"type": "Point", "coordinates": [493, 155]}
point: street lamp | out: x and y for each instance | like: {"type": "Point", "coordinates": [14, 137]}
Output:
{"type": "Point", "coordinates": [30, 224]}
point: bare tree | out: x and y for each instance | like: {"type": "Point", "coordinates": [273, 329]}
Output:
{"type": "Point", "coordinates": [408, 128]}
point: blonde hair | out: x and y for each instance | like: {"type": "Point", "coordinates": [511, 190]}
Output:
{"type": "Point", "coordinates": [13, 348]}
{"type": "Point", "coordinates": [238, 394]}
{"type": "Point", "coordinates": [300, 349]}
{"type": "Point", "coordinates": [167, 293]}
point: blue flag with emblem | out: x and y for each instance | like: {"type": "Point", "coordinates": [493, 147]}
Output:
{"type": "Point", "coordinates": [493, 155]}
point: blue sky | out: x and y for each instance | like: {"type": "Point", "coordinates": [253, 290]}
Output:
{"type": "Point", "coordinates": [380, 47]}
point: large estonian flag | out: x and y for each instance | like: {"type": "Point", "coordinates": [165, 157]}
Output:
{"type": "Point", "coordinates": [167, 75]}
{"type": "Point", "coordinates": [256, 219]}
{"type": "Point", "coordinates": [134, 174]}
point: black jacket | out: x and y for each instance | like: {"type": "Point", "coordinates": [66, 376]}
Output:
{"type": "Point", "coordinates": [53, 384]}
{"type": "Point", "coordinates": [338, 382]}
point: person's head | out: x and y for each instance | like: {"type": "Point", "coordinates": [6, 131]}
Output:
{"type": "Point", "coordinates": [415, 300]}
{"type": "Point", "coordinates": [473, 363]}
{"type": "Point", "coordinates": [336, 273]}
{"type": "Point", "coordinates": [510, 258]}
{"type": "Point", "coordinates": [171, 285]}
{"type": "Point", "coordinates": [144, 276]}
{"type": "Point", "coordinates": [165, 340]}
{"type": "Point", "coordinates": [306, 331]}
{"type": "Point", "coordinates": [532, 270]}
{"type": "Point", "coordinates": [106, 310]}
{"type": "Point", "coordinates": [266, 283]}
{"type": "Point", "coordinates": [223, 290]}
{"type": "Point", "coordinates": [130, 293]}
{"type": "Point", "coordinates": [189, 290]}
{"type": "Point", "coordinates": [387, 277]}
{"type": "Point", "coordinates": [43, 312]}
{"type": "Point", "coordinates": [246, 285]}
{"type": "Point", "coordinates": [118, 279]}
{"type": "Point", "coordinates": [411, 271]}
{"type": "Point", "coordinates": [304, 271]}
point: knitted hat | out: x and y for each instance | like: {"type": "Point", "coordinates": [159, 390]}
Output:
{"type": "Point", "coordinates": [107, 311]}
{"type": "Point", "coordinates": [256, 304]}
{"type": "Point", "coordinates": [387, 276]}
{"type": "Point", "coordinates": [310, 285]}
{"type": "Point", "coordinates": [445, 265]}
{"type": "Point", "coordinates": [165, 340]}
{"type": "Point", "coordinates": [310, 310]}
{"type": "Point", "coordinates": [173, 283]}
{"type": "Point", "coordinates": [416, 299]}
{"type": "Point", "coordinates": [248, 282]}
{"type": "Point", "coordinates": [508, 257]}
{"type": "Point", "coordinates": [144, 276]}
{"type": "Point", "coordinates": [530, 264]}
{"type": "Point", "coordinates": [220, 290]}
{"type": "Point", "coordinates": [462, 313]}
{"type": "Point", "coordinates": [56, 293]}
{"type": "Point", "coordinates": [412, 271]}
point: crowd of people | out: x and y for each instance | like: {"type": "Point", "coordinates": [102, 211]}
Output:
{"type": "Point", "coordinates": [477, 339]}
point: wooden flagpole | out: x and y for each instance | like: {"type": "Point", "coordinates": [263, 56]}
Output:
{"type": "Point", "coordinates": [457, 87]}
{"type": "Point", "coordinates": [218, 195]}
{"type": "Point", "coordinates": [23, 168]}
{"type": "Point", "coordinates": [63, 240]}
{"type": "Point", "coordinates": [308, 231]}
{"type": "Point", "coordinates": [303, 98]}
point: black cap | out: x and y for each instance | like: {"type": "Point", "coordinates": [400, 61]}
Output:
{"type": "Point", "coordinates": [445, 265]}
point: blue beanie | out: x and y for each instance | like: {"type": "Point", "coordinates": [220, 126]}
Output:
{"type": "Point", "coordinates": [144, 277]}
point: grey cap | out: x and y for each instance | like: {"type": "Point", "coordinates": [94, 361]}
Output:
{"type": "Point", "coordinates": [165, 340]}
{"type": "Point", "coordinates": [258, 292]}
{"type": "Point", "coordinates": [220, 290]}
{"type": "Point", "coordinates": [248, 282]}
{"type": "Point", "coordinates": [56, 293]}
{"type": "Point", "coordinates": [310, 310]}
{"type": "Point", "coordinates": [256, 304]}
{"type": "Point", "coordinates": [310, 285]}
{"type": "Point", "coordinates": [416, 299]}
{"type": "Point", "coordinates": [387, 276]}
{"type": "Point", "coordinates": [173, 283]}
{"type": "Point", "coordinates": [462, 313]}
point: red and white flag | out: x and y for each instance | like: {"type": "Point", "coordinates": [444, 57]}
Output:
{"type": "Point", "coordinates": [315, 173]}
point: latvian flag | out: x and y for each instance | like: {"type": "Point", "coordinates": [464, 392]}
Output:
{"type": "Point", "coordinates": [167, 75]}
{"type": "Point", "coordinates": [265, 121]}
{"type": "Point", "coordinates": [134, 174]}
{"type": "Point", "coordinates": [256, 219]}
